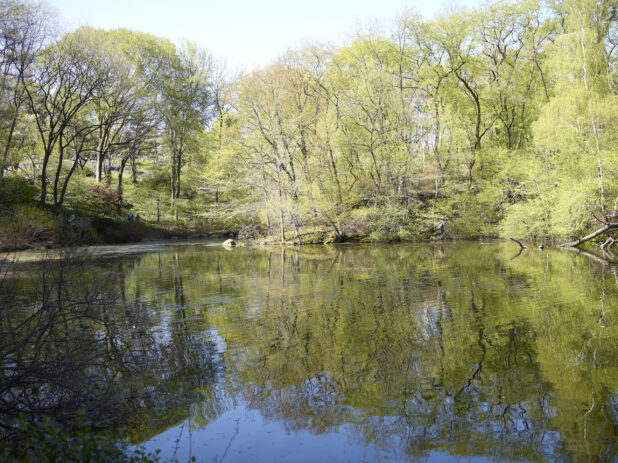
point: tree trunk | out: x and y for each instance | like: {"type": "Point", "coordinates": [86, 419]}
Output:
{"type": "Point", "coordinates": [178, 168]}
{"type": "Point", "coordinates": [335, 174]}
{"type": "Point", "coordinates": [66, 180]}
{"type": "Point", "coordinates": [296, 228]}
{"type": "Point", "coordinates": [123, 163]}
{"type": "Point", "coordinates": [173, 178]}
{"type": "Point", "coordinates": [58, 171]}
{"type": "Point", "coordinates": [133, 168]}
{"type": "Point", "coordinates": [334, 225]}
{"type": "Point", "coordinates": [281, 225]}
{"type": "Point", "coordinates": [44, 178]}
{"type": "Point", "coordinates": [9, 138]}
{"type": "Point", "coordinates": [100, 158]}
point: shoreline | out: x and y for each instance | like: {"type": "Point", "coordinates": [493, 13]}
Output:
{"type": "Point", "coordinates": [41, 254]}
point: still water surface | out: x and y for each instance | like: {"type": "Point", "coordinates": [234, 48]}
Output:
{"type": "Point", "coordinates": [447, 352]}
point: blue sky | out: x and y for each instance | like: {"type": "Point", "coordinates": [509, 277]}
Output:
{"type": "Point", "coordinates": [247, 33]}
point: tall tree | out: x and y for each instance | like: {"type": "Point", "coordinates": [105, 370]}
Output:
{"type": "Point", "coordinates": [25, 28]}
{"type": "Point", "coordinates": [126, 110]}
{"type": "Point", "coordinates": [66, 78]}
{"type": "Point", "coordinates": [185, 106]}
{"type": "Point", "coordinates": [576, 131]}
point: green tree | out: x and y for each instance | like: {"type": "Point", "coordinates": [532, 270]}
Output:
{"type": "Point", "coordinates": [185, 106]}
{"type": "Point", "coordinates": [24, 31]}
{"type": "Point", "coordinates": [575, 134]}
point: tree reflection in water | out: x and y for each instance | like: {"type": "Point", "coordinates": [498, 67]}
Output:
{"type": "Point", "coordinates": [414, 349]}
{"type": "Point", "coordinates": [74, 339]}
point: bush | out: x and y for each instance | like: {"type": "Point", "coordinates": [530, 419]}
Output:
{"type": "Point", "coordinates": [159, 179]}
{"type": "Point", "coordinates": [16, 190]}
{"type": "Point", "coordinates": [238, 221]}
{"type": "Point", "coordinates": [86, 171]}
{"type": "Point", "coordinates": [359, 222]}
{"type": "Point", "coordinates": [89, 236]}
{"type": "Point", "coordinates": [108, 202]}
{"type": "Point", "coordinates": [472, 214]}
{"type": "Point", "coordinates": [572, 205]}
{"type": "Point", "coordinates": [25, 226]}
{"type": "Point", "coordinates": [384, 223]}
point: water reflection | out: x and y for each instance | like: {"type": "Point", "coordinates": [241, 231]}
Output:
{"type": "Point", "coordinates": [402, 351]}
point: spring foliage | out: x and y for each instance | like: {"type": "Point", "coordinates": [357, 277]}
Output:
{"type": "Point", "coordinates": [494, 121]}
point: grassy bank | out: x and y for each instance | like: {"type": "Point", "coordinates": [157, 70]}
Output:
{"type": "Point", "coordinates": [94, 214]}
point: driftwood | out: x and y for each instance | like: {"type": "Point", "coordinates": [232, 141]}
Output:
{"type": "Point", "coordinates": [608, 227]}
{"type": "Point", "coordinates": [518, 242]}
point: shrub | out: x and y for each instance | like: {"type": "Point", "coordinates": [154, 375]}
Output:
{"type": "Point", "coordinates": [107, 201]}
{"type": "Point", "coordinates": [16, 190]}
{"type": "Point", "coordinates": [159, 179]}
{"type": "Point", "coordinates": [25, 226]}
{"type": "Point", "coordinates": [90, 236]}
{"type": "Point", "coordinates": [571, 207]}
{"type": "Point", "coordinates": [86, 171]}
{"type": "Point", "coordinates": [359, 222]}
{"type": "Point", "coordinates": [472, 214]}
{"type": "Point", "coordinates": [384, 223]}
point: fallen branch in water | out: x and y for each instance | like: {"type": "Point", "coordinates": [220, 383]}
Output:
{"type": "Point", "coordinates": [518, 242]}
{"type": "Point", "coordinates": [608, 227]}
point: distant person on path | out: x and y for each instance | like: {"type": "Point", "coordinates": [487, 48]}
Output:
{"type": "Point", "coordinates": [137, 217]}
{"type": "Point", "coordinates": [130, 217]}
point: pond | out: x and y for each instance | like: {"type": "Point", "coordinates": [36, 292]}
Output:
{"type": "Point", "coordinates": [353, 353]}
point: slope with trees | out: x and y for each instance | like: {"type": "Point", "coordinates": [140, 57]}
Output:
{"type": "Point", "coordinates": [498, 121]}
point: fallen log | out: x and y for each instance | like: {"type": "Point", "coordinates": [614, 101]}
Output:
{"type": "Point", "coordinates": [572, 244]}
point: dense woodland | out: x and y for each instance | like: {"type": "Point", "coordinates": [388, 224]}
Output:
{"type": "Point", "coordinates": [500, 121]}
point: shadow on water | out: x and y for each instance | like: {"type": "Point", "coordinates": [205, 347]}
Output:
{"type": "Point", "coordinates": [410, 350]}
